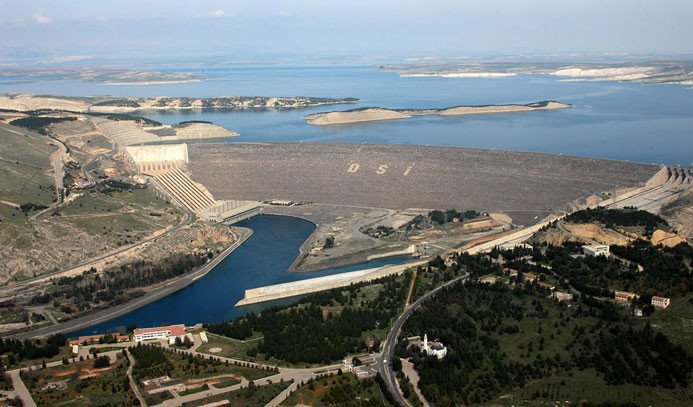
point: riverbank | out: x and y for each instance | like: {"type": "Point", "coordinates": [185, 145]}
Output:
{"type": "Point", "coordinates": [343, 224]}
{"type": "Point", "coordinates": [370, 114]}
{"type": "Point", "coordinates": [149, 297]}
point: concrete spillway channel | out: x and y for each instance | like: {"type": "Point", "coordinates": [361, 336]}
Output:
{"type": "Point", "coordinates": [314, 285]}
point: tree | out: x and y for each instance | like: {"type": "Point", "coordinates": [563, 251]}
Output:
{"type": "Point", "coordinates": [329, 242]}
{"type": "Point", "coordinates": [396, 364]}
{"type": "Point", "coordinates": [101, 361]}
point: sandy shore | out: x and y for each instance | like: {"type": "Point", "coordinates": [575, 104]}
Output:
{"type": "Point", "coordinates": [378, 114]}
{"type": "Point", "coordinates": [27, 102]}
{"type": "Point", "coordinates": [460, 74]}
{"type": "Point", "coordinates": [354, 116]}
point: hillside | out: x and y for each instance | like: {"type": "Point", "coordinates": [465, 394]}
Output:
{"type": "Point", "coordinates": [25, 168]}
{"type": "Point", "coordinates": [29, 102]}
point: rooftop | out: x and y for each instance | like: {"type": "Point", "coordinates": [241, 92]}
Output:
{"type": "Point", "coordinates": [174, 330]}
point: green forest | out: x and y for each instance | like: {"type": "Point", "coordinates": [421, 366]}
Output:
{"type": "Point", "coordinates": [500, 338]}
{"type": "Point", "coordinates": [324, 327]}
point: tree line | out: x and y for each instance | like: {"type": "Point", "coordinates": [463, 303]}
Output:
{"type": "Point", "coordinates": [308, 333]}
{"type": "Point", "coordinates": [30, 349]}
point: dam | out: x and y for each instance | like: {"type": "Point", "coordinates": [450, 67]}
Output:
{"type": "Point", "coordinates": [527, 186]}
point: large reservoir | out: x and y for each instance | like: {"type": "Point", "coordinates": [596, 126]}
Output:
{"type": "Point", "coordinates": [623, 121]}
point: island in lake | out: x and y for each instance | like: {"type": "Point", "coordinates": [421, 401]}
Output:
{"type": "Point", "coordinates": [368, 114]}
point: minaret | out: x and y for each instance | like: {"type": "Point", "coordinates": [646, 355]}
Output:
{"type": "Point", "coordinates": [425, 342]}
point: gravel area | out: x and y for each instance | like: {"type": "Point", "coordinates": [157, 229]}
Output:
{"type": "Point", "coordinates": [525, 185]}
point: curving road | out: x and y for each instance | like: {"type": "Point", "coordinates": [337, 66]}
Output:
{"type": "Point", "coordinates": [384, 362]}
{"type": "Point", "coordinates": [186, 220]}
{"type": "Point", "coordinates": [149, 297]}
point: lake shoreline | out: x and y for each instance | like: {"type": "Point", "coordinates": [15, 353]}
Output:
{"type": "Point", "coordinates": [371, 114]}
{"type": "Point", "coordinates": [153, 295]}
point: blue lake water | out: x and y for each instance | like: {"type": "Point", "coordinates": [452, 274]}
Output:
{"type": "Point", "coordinates": [625, 121]}
{"type": "Point", "coordinates": [261, 260]}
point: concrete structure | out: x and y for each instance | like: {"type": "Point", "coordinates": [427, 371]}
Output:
{"type": "Point", "coordinates": [187, 192]}
{"type": "Point", "coordinates": [281, 202]}
{"type": "Point", "coordinates": [561, 296]}
{"type": "Point", "coordinates": [163, 383]}
{"type": "Point", "coordinates": [89, 339]}
{"type": "Point", "coordinates": [313, 285]}
{"type": "Point", "coordinates": [488, 279]}
{"type": "Point", "coordinates": [624, 296]}
{"type": "Point", "coordinates": [164, 153]}
{"type": "Point", "coordinates": [530, 277]}
{"type": "Point", "coordinates": [434, 348]}
{"type": "Point", "coordinates": [526, 276]}
{"type": "Point", "coordinates": [661, 302]}
{"type": "Point", "coordinates": [171, 333]}
{"type": "Point", "coordinates": [545, 285]}
{"type": "Point", "coordinates": [164, 164]}
{"type": "Point", "coordinates": [362, 374]}
{"type": "Point", "coordinates": [123, 134]}
{"type": "Point", "coordinates": [596, 250]}
{"type": "Point", "coordinates": [127, 132]}
{"type": "Point", "coordinates": [230, 212]}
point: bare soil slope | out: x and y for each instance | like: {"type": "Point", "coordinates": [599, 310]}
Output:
{"type": "Point", "coordinates": [525, 185]}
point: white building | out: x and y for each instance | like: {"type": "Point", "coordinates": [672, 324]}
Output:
{"type": "Point", "coordinates": [596, 250]}
{"type": "Point", "coordinates": [562, 296]}
{"type": "Point", "coordinates": [434, 349]}
{"type": "Point", "coordinates": [165, 332]}
{"type": "Point", "coordinates": [661, 302]}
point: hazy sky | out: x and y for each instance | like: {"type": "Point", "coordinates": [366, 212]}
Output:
{"type": "Point", "coordinates": [54, 30]}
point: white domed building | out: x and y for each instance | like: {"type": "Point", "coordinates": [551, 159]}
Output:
{"type": "Point", "coordinates": [434, 348]}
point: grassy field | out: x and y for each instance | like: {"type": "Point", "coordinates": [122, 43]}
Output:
{"type": "Point", "coordinates": [90, 225]}
{"type": "Point", "coordinates": [65, 352]}
{"type": "Point", "coordinates": [79, 384]}
{"type": "Point", "coordinates": [24, 163]}
{"type": "Point", "coordinates": [676, 321]}
{"type": "Point", "coordinates": [258, 396]}
{"type": "Point", "coordinates": [226, 382]}
{"type": "Point", "coordinates": [336, 390]}
{"type": "Point", "coordinates": [197, 390]}
{"type": "Point", "coordinates": [230, 348]}
{"type": "Point", "coordinates": [185, 366]}
{"type": "Point", "coordinates": [571, 388]}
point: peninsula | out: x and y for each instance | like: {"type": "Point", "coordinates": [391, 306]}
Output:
{"type": "Point", "coordinates": [101, 104]}
{"type": "Point", "coordinates": [369, 114]}
{"type": "Point", "coordinates": [604, 69]}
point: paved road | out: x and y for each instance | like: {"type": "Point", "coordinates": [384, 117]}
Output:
{"type": "Point", "coordinates": [58, 167]}
{"type": "Point", "coordinates": [133, 383]}
{"type": "Point", "coordinates": [385, 361]}
{"type": "Point", "coordinates": [91, 163]}
{"type": "Point", "coordinates": [149, 297]}
{"type": "Point", "coordinates": [21, 390]}
{"type": "Point", "coordinates": [286, 374]}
